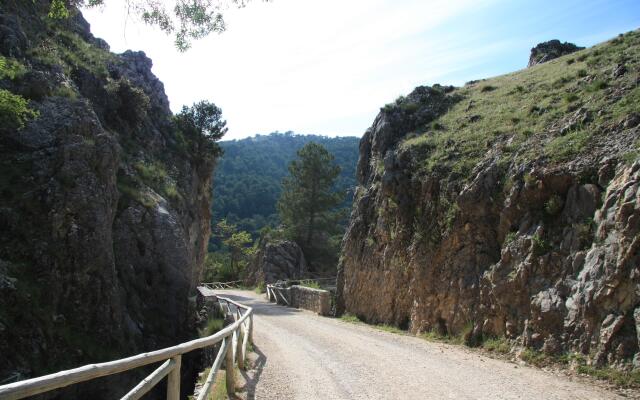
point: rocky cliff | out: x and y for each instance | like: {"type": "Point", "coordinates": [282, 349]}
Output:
{"type": "Point", "coordinates": [104, 205]}
{"type": "Point", "coordinates": [507, 207]}
{"type": "Point", "coordinates": [276, 260]}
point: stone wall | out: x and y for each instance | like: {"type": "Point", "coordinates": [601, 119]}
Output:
{"type": "Point", "coordinates": [316, 300]}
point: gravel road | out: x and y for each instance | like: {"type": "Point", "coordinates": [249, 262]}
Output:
{"type": "Point", "coordinates": [303, 356]}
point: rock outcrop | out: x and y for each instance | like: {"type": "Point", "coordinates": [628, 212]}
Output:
{"type": "Point", "coordinates": [551, 50]}
{"type": "Point", "coordinates": [104, 213]}
{"type": "Point", "coordinates": [278, 260]}
{"type": "Point", "coordinates": [473, 217]}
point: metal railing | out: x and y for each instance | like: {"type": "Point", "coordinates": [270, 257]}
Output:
{"type": "Point", "coordinates": [233, 338]}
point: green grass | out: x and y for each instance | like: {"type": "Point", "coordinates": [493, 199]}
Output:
{"type": "Point", "coordinates": [620, 378]}
{"type": "Point", "coordinates": [212, 326]}
{"type": "Point", "coordinates": [132, 191]}
{"type": "Point", "coordinates": [260, 288]}
{"type": "Point", "coordinates": [617, 377]}
{"type": "Point", "coordinates": [71, 52]}
{"type": "Point", "coordinates": [353, 319]}
{"type": "Point", "coordinates": [565, 147]}
{"type": "Point", "coordinates": [347, 317]}
{"type": "Point", "coordinates": [521, 107]}
{"type": "Point", "coordinates": [219, 389]}
{"type": "Point", "coordinates": [498, 345]}
{"type": "Point", "coordinates": [312, 285]}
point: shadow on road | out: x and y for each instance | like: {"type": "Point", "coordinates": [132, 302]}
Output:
{"type": "Point", "coordinates": [252, 381]}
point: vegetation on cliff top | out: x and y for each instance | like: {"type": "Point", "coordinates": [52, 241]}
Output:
{"type": "Point", "coordinates": [514, 112]}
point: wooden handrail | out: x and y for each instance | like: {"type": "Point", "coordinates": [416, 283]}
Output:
{"type": "Point", "coordinates": [46, 383]}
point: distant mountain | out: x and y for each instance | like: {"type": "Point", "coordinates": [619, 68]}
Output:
{"type": "Point", "coordinates": [247, 180]}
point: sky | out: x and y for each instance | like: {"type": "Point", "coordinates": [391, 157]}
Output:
{"type": "Point", "coordinates": [326, 67]}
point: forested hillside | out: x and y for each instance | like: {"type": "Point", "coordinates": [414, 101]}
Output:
{"type": "Point", "coordinates": [247, 181]}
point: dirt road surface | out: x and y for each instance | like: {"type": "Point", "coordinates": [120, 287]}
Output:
{"type": "Point", "coordinates": [304, 356]}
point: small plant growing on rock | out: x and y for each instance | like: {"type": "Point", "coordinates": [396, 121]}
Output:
{"type": "Point", "coordinates": [553, 206]}
{"type": "Point", "coordinates": [539, 246]}
{"type": "Point", "coordinates": [14, 111]}
{"type": "Point", "coordinates": [510, 238]}
{"type": "Point", "coordinates": [128, 101]}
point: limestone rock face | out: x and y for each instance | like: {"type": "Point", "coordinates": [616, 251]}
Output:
{"type": "Point", "coordinates": [550, 50]}
{"type": "Point", "coordinates": [104, 218]}
{"type": "Point", "coordinates": [527, 247]}
{"type": "Point", "coordinates": [276, 261]}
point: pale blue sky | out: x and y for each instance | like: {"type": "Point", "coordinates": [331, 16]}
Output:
{"type": "Point", "coordinates": [326, 67]}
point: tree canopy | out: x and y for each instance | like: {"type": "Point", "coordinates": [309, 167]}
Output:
{"type": "Point", "coordinates": [187, 20]}
{"type": "Point", "coordinates": [202, 123]}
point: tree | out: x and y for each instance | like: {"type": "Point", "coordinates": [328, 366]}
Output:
{"type": "Point", "coordinates": [188, 19]}
{"type": "Point", "coordinates": [203, 125]}
{"type": "Point", "coordinates": [238, 244]}
{"type": "Point", "coordinates": [308, 203]}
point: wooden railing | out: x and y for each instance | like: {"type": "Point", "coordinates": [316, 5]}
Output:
{"type": "Point", "coordinates": [222, 285]}
{"type": "Point", "coordinates": [233, 339]}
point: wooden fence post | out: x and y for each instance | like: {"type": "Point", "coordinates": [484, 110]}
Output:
{"type": "Point", "coordinates": [239, 349]}
{"type": "Point", "coordinates": [251, 328]}
{"type": "Point", "coordinates": [173, 380]}
{"type": "Point", "coordinates": [230, 377]}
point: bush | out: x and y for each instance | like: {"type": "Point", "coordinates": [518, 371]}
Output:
{"type": "Point", "coordinates": [510, 238]}
{"type": "Point", "coordinates": [570, 97]}
{"type": "Point", "coordinates": [540, 246]}
{"type": "Point", "coordinates": [129, 102]}
{"type": "Point", "coordinates": [11, 69]}
{"type": "Point", "coordinates": [554, 205]}
{"type": "Point", "coordinates": [497, 345]}
{"type": "Point", "coordinates": [14, 111]}
{"type": "Point", "coordinates": [597, 85]}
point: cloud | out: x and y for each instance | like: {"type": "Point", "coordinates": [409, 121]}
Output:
{"type": "Point", "coordinates": [299, 64]}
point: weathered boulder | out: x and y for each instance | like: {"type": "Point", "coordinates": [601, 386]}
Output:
{"type": "Point", "coordinates": [547, 51]}
{"type": "Point", "coordinates": [280, 260]}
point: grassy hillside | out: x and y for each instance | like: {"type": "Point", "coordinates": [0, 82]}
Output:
{"type": "Point", "coordinates": [558, 109]}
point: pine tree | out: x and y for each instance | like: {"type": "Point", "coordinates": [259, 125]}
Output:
{"type": "Point", "coordinates": [308, 205]}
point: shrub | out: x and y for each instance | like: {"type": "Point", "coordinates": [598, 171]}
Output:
{"type": "Point", "coordinates": [570, 97]}
{"type": "Point", "coordinates": [14, 111]}
{"type": "Point", "coordinates": [152, 173]}
{"type": "Point", "coordinates": [510, 238]}
{"type": "Point", "coordinates": [497, 345]}
{"type": "Point", "coordinates": [128, 102]}
{"type": "Point", "coordinates": [488, 88]}
{"type": "Point", "coordinates": [597, 85]}
{"type": "Point", "coordinates": [581, 73]}
{"type": "Point", "coordinates": [554, 205]}
{"type": "Point", "coordinates": [212, 326]}
{"type": "Point", "coordinates": [348, 317]}
{"type": "Point", "coordinates": [540, 246]}
{"type": "Point", "coordinates": [11, 69]}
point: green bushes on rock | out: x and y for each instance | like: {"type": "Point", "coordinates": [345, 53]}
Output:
{"type": "Point", "coordinates": [14, 111]}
